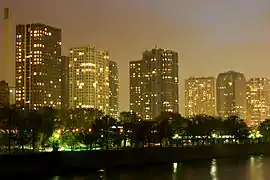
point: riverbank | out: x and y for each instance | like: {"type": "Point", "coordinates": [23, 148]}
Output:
{"type": "Point", "coordinates": [58, 162]}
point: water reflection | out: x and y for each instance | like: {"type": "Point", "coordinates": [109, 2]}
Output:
{"type": "Point", "coordinates": [253, 168]}
{"type": "Point", "coordinates": [174, 174]}
{"type": "Point", "coordinates": [174, 167]}
{"type": "Point", "coordinates": [56, 178]}
{"type": "Point", "coordinates": [256, 168]}
{"type": "Point", "coordinates": [213, 169]}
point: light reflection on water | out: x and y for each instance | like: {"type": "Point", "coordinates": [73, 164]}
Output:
{"type": "Point", "coordinates": [253, 168]}
{"type": "Point", "coordinates": [256, 168]}
{"type": "Point", "coordinates": [213, 170]}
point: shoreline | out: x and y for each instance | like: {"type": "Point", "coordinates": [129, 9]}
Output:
{"type": "Point", "coordinates": [56, 163]}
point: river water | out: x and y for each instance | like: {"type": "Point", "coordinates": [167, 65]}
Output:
{"type": "Point", "coordinates": [252, 168]}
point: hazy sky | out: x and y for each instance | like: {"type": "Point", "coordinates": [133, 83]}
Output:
{"type": "Point", "coordinates": [211, 36]}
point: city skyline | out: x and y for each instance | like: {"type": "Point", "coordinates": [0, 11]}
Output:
{"type": "Point", "coordinates": [228, 48]}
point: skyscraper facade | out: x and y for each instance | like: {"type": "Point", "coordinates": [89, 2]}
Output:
{"type": "Point", "coordinates": [89, 78]}
{"type": "Point", "coordinates": [135, 87]}
{"type": "Point", "coordinates": [114, 89]}
{"type": "Point", "coordinates": [200, 96]}
{"type": "Point", "coordinates": [231, 94]}
{"type": "Point", "coordinates": [64, 82]}
{"type": "Point", "coordinates": [154, 83]}
{"type": "Point", "coordinates": [38, 66]}
{"type": "Point", "coordinates": [7, 62]}
{"type": "Point", "coordinates": [258, 101]}
{"type": "Point", "coordinates": [4, 94]}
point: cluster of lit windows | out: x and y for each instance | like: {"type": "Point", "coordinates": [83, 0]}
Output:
{"type": "Point", "coordinates": [37, 33]}
{"type": "Point", "coordinates": [258, 102]}
{"type": "Point", "coordinates": [37, 52]}
{"type": "Point", "coordinates": [38, 45]}
{"type": "Point", "coordinates": [143, 75]}
{"type": "Point", "coordinates": [200, 96]}
{"type": "Point", "coordinates": [84, 60]}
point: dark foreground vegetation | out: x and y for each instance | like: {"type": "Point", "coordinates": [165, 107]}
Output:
{"type": "Point", "coordinates": [89, 139]}
{"type": "Point", "coordinates": [46, 129]}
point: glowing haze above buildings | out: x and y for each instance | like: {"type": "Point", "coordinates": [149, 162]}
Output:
{"type": "Point", "coordinates": [211, 36]}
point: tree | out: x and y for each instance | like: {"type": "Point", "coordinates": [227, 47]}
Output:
{"type": "Point", "coordinates": [89, 139]}
{"type": "Point", "coordinates": [48, 124]}
{"type": "Point", "coordinates": [165, 128]}
{"type": "Point", "coordinates": [107, 123]}
{"type": "Point", "coordinates": [69, 139]}
{"type": "Point", "coordinates": [236, 127]}
{"type": "Point", "coordinates": [34, 121]}
{"type": "Point", "coordinates": [264, 130]}
{"type": "Point", "coordinates": [8, 123]}
{"type": "Point", "coordinates": [129, 117]}
{"type": "Point", "coordinates": [82, 117]}
{"type": "Point", "coordinates": [55, 141]}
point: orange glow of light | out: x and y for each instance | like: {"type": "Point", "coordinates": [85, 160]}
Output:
{"type": "Point", "coordinates": [90, 130]}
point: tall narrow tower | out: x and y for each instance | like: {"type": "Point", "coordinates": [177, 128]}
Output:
{"type": "Point", "coordinates": [8, 63]}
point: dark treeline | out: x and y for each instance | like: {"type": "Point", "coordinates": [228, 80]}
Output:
{"type": "Point", "coordinates": [20, 128]}
{"type": "Point", "coordinates": [36, 130]}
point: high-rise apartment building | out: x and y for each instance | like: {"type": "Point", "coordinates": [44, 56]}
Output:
{"type": "Point", "coordinates": [200, 96]}
{"type": "Point", "coordinates": [258, 101]}
{"type": "Point", "coordinates": [38, 66]}
{"type": "Point", "coordinates": [89, 78]}
{"type": "Point", "coordinates": [231, 94]}
{"type": "Point", "coordinates": [154, 83]}
{"type": "Point", "coordinates": [4, 94]}
{"type": "Point", "coordinates": [7, 62]}
{"type": "Point", "coordinates": [114, 89]}
{"type": "Point", "coordinates": [135, 87]}
{"type": "Point", "coordinates": [64, 82]}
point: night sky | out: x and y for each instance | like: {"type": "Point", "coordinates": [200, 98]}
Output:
{"type": "Point", "coordinates": [211, 36]}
